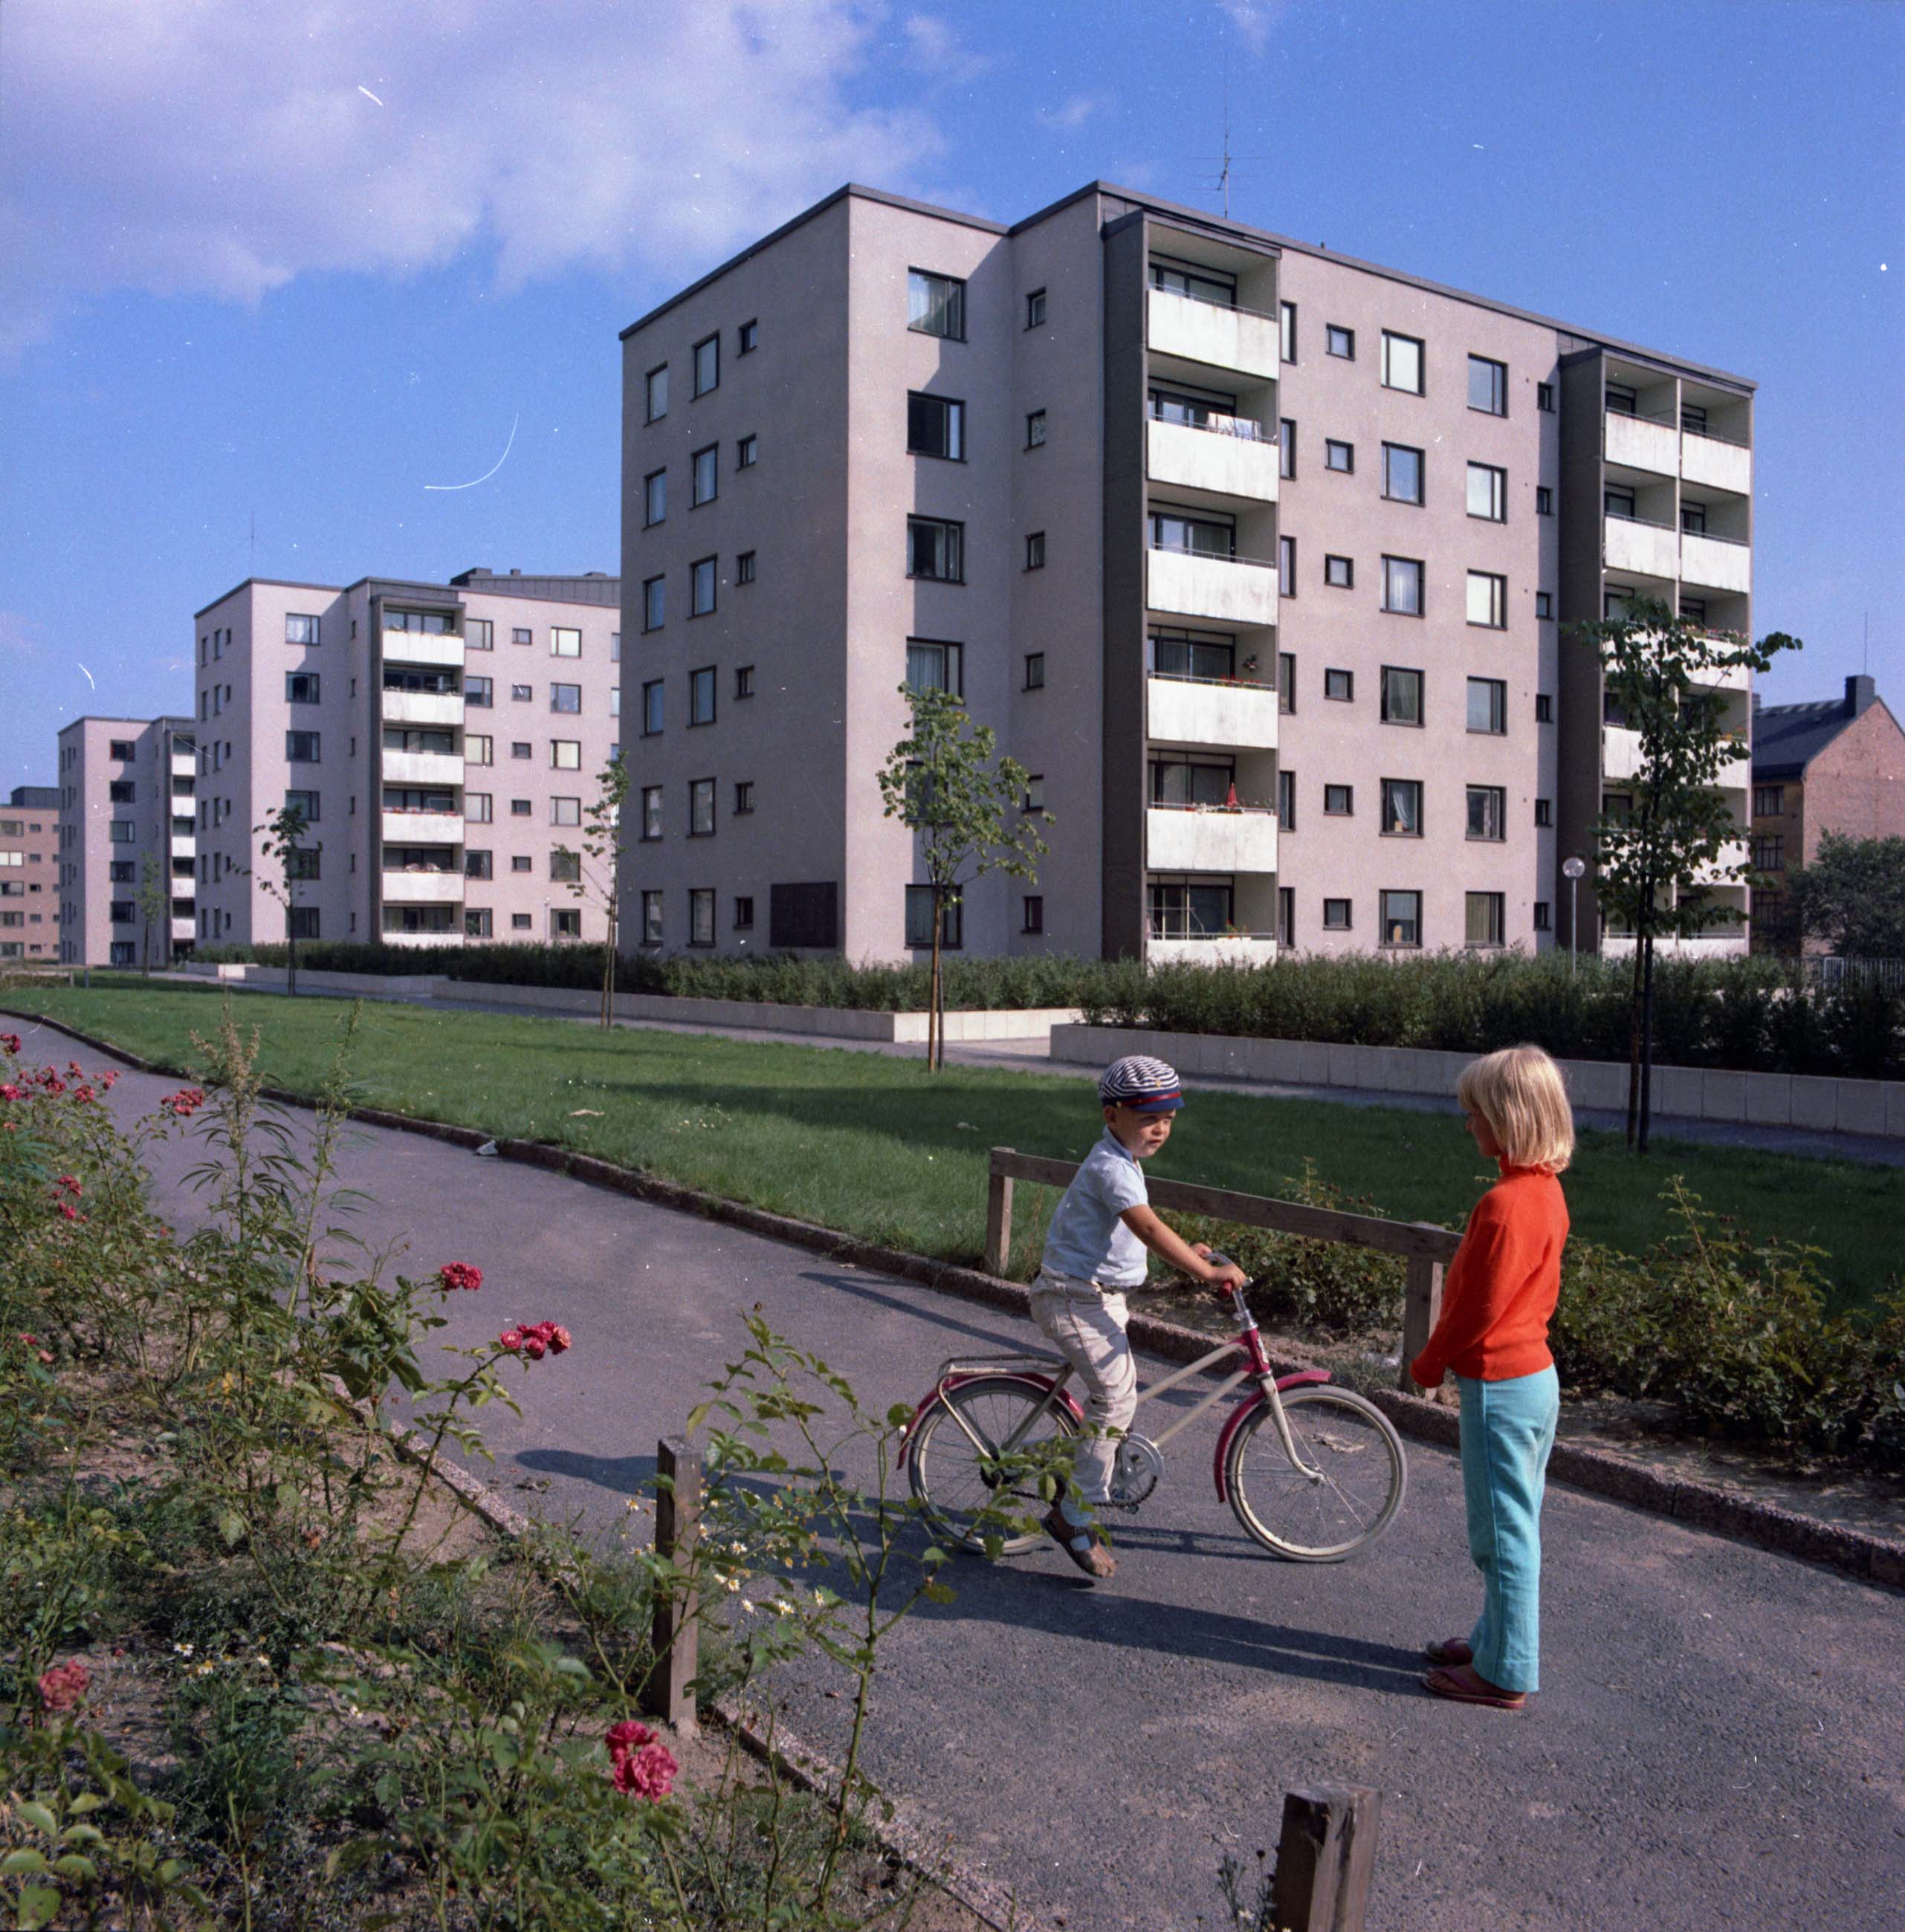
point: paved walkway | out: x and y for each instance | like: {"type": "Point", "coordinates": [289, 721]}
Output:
{"type": "Point", "coordinates": [1717, 1744]}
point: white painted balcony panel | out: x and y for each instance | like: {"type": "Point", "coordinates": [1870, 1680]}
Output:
{"type": "Point", "coordinates": [1241, 716]}
{"type": "Point", "coordinates": [184, 765]}
{"type": "Point", "coordinates": [1211, 460]}
{"type": "Point", "coordinates": [1223, 589]}
{"type": "Point", "coordinates": [1236, 339]}
{"type": "Point", "coordinates": [1646, 550]}
{"type": "Point", "coordinates": [1714, 564]}
{"type": "Point", "coordinates": [422, 707]}
{"type": "Point", "coordinates": [1730, 677]}
{"type": "Point", "coordinates": [422, 828]}
{"type": "Point", "coordinates": [437, 648]}
{"type": "Point", "coordinates": [422, 768]}
{"type": "Point", "coordinates": [1723, 871]}
{"type": "Point", "coordinates": [1736, 772]}
{"type": "Point", "coordinates": [1642, 445]}
{"type": "Point", "coordinates": [1180, 839]}
{"type": "Point", "coordinates": [422, 888]}
{"type": "Point", "coordinates": [183, 928]}
{"type": "Point", "coordinates": [1720, 466]}
{"type": "Point", "coordinates": [1620, 752]}
{"type": "Point", "coordinates": [451, 938]}
{"type": "Point", "coordinates": [185, 848]}
{"type": "Point", "coordinates": [1228, 949]}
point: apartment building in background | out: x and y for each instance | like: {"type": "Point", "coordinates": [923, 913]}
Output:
{"type": "Point", "coordinates": [1256, 556]}
{"type": "Point", "coordinates": [444, 742]}
{"type": "Point", "coordinates": [127, 854]}
{"type": "Point", "coordinates": [29, 873]}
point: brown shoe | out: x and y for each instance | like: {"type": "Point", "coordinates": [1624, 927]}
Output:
{"type": "Point", "coordinates": [1084, 1546]}
{"type": "Point", "coordinates": [1450, 1650]}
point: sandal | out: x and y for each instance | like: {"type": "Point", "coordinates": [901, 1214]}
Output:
{"type": "Point", "coordinates": [1450, 1650]}
{"type": "Point", "coordinates": [1461, 1685]}
{"type": "Point", "coordinates": [1083, 1545]}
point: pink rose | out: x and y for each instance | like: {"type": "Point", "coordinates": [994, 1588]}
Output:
{"type": "Point", "coordinates": [71, 1183]}
{"type": "Point", "coordinates": [63, 1686]}
{"type": "Point", "coordinates": [461, 1274]}
{"type": "Point", "coordinates": [628, 1735]}
{"type": "Point", "coordinates": [511, 1339]}
{"type": "Point", "coordinates": [9, 1092]}
{"type": "Point", "coordinates": [10, 1043]}
{"type": "Point", "coordinates": [648, 1773]}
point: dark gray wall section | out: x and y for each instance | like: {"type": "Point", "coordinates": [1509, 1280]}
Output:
{"type": "Point", "coordinates": [1579, 803]}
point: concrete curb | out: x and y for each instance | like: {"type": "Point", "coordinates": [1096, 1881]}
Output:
{"type": "Point", "coordinates": [1857, 1553]}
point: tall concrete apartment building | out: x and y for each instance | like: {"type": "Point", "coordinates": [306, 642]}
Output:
{"type": "Point", "coordinates": [127, 856]}
{"type": "Point", "coordinates": [29, 873]}
{"type": "Point", "coordinates": [443, 741]}
{"type": "Point", "coordinates": [1257, 557]}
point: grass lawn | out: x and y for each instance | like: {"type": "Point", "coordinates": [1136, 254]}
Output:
{"type": "Point", "coordinates": [877, 1146]}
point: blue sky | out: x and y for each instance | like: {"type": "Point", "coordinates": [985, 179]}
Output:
{"type": "Point", "coordinates": [292, 263]}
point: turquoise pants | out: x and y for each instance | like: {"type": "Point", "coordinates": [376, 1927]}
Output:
{"type": "Point", "coordinates": [1507, 1429]}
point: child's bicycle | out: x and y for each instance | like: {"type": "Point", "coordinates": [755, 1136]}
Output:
{"type": "Point", "coordinates": [1313, 1472]}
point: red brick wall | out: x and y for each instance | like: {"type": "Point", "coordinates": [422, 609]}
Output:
{"type": "Point", "coordinates": [1856, 786]}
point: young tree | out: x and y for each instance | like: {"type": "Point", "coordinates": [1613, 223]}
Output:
{"type": "Point", "coordinates": [1657, 857]}
{"type": "Point", "coordinates": [1852, 896]}
{"type": "Point", "coordinates": [943, 782]}
{"type": "Point", "coordinates": [595, 871]}
{"type": "Point", "coordinates": [291, 860]}
{"type": "Point", "coordinates": [154, 905]}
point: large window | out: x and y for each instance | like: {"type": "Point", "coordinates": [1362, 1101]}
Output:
{"type": "Point", "coordinates": [1339, 341]}
{"type": "Point", "coordinates": [307, 804]}
{"type": "Point", "coordinates": [651, 708]}
{"type": "Point", "coordinates": [1402, 585]}
{"type": "Point", "coordinates": [1208, 286]}
{"type": "Point", "coordinates": [654, 603]}
{"type": "Point", "coordinates": [1482, 919]}
{"type": "Point", "coordinates": [935, 550]}
{"type": "Point", "coordinates": [565, 641]}
{"type": "Point", "coordinates": [936, 426]}
{"type": "Point", "coordinates": [479, 634]}
{"type": "Point", "coordinates": [479, 693]}
{"type": "Point", "coordinates": [1402, 363]}
{"type": "Point", "coordinates": [300, 629]}
{"type": "Point", "coordinates": [1488, 599]}
{"type": "Point", "coordinates": [565, 698]}
{"type": "Point", "coordinates": [933, 666]}
{"type": "Point", "coordinates": [1401, 695]}
{"type": "Point", "coordinates": [1488, 385]}
{"type": "Point", "coordinates": [658, 393]}
{"type": "Point", "coordinates": [1768, 801]}
{"type": "Point", "coordinates": [651, 812]}
{"type": "Point", "coordinates": [1189, 910]}
{"type": "Point", "coordinates": [478, 748]}
{"type": "Point", "coordinates": [700, 915]}
{"type": "Point", "coordinates": [1488, 492]}
{"type": "Point", "coordinates": [1402, 473]}
{"type": "Point", "coordinates": [1287, 331]}
{"type": "Point", "coordinates": [1339, 572]}
{"type": "Point", "coordinates": [1286, 447]}
{"type": "Point", "coordinates": [1487, 705]}
{"type": "Point", "coordinates": [651, 919]}
{"type": "Point", "coordinates": [654, 498]}
{"type": "Point", "coordinates": [1488, 813]}
{"type": "Point", "coordinates": [701, 577]}
{"type": "Point", "coordinates": [1202, 536]}
{"type": "Point", "coordinates": [1189, 780]}
{"type": "Point", "coordinates": [1192, 654]}
{"type": "Point", "coordinates": [1401, 919]}
{"type": "Point", "coordinates": [479, 864]}
{"type": "Point", "coordinates": [935, 305]}
{"type": "Point", "coordinates": [705, 472]}
{"type": "Point", "coordinates": [919, 919]}
{"type": "Point", "coordinates": [1402, 808]}
{"type": "Point", "coordinates": [565, 811]}
{"type": "Point", "coordinates": [1339, 456]}
{"type": "Point", "coordinates": [566, 755]}
{"type": "Point", "coordinates": [700, 808]}
{"type": "Point", "coordinates": [708, 365]}
{"type": "Point", "coordinates": [701, 696]}
{"type": "Point", "coordinates": [301, 748]}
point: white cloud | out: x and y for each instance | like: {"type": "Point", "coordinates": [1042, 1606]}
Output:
{"type": "Point", "coordinates": [933, 49]}
{"type": "Point", "coordinates": [1253, 20]}
{"type": "Point", "coordinates": [220, 147]}
{"type": "Point", "coordinates": [1072, 113]}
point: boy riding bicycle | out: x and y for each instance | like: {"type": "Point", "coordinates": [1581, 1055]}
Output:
{"type": "Point", "coordinates": [1094, 1250]}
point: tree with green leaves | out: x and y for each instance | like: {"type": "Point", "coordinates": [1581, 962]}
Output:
{"type": "Point", "coordinates": [1659, 855]}
{"type": "Point", "coordinates": [154, 906]}
{"type": "Point", "coordinates": [1852, 896]}
{"type": "Point", "coordinates": [965, 805]}
{"type": "Point", "coordinates": [595, 873]}
{"type": "Point", "coordinates": [291, 859]}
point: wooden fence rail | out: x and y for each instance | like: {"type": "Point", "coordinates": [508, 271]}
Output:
{"type": "Point", "coordinates": [1426, 1249]}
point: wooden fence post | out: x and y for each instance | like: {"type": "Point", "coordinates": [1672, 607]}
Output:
{"type": "Point", "coordinates": [1422, 1308]}
{"type": "Point", "coordinates": [998, 1215]}
{"type": "Point", "coordinates": [1325, 1857]}
{"type": "Point", "coordinates": [669, 1693]}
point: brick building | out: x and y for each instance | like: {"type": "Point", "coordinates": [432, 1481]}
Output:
{"type": "Point", "coordinates": [29, 873]}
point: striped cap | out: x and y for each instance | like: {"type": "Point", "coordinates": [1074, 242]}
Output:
{"type": "Point", "coordinates": [1140, 1082]}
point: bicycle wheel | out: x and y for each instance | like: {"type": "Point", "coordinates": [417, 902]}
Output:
{"type": "Point", "coordinates": [955, 1474]}
{"type": "Point", "coordinates": [1359, 1486]}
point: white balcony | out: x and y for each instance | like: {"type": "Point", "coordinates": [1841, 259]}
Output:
{"type": "Point", "coordinates": [1223, 949]}
{"type": "Point", "coordinates": [438, 648]}
{"type": "Point", "coordinates": [1723, 871]}
{"type": "Point", "coordinates": [1183, 711]}
{"type": "Point", "coordinates": [1646, 550]}
{"type": "Point", "coordinates": [423, 707]}
{"type": "Point", "coordinates": [1214, 462]}
{"type": "Point", "coordinates": [1719, 466]}
{"type": "Point", "coordinates": [422, 828]}
{"type": "Point", "coordinates": [183, 929]}
{"type": "Point", "coordinates": [1640, 443]}
{"type": "Point", "coordinates": [1715, 563]}
{"type": "Point", "coordinates": [1190, 839]}
{"type": "Point", "coordinates": [422, 768]}
{"type": "Point", "coordinates": [1237, 339]}
{"type": "Point", "coordinates": [1728, 677]}
{"type": "Point", "coordinates": [1225, 590]}
{"type": "Point", "coordinates": [1736, 771]}
{"type": "Point", "coordinates": [422, 888]}
{"type": "Point", "coordinates": [185, 765]}
{"type": "Point", "coordinates": [449, 938]}
{"type": "Point", "coordinates": [185, 848]}
{"type": "Point", "coordinates": [1620, 752]}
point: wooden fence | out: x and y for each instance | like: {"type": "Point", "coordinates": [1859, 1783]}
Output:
{"type": "Point", "coordinates": [1426, 1248]}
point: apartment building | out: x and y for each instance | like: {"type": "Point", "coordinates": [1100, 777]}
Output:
{"type": "Point", "coordinates": [444, 742]}
{"type": "Point", "coordinates": [1256, 556]}
{"type": "Point", "coordinates": [127, 861]}
{"type": "Point", "coordinates": [29, 873]}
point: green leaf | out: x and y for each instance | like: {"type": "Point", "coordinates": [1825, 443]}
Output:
{"type": "Point", "coordinates": [15, 1863]}
{"type": "Point", "coordinates": [73, 1866]}
{"type": "Point", "coordinates": [37, 1904]}
{"type": "Point", "coordinates": [87, 1801]}
{"type": "Point", "coordinates": [39, 1817]}
{"type": "Point", "coordinates": [231, 1527]}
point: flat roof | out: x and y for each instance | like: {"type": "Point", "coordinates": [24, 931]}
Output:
{"type": "Point", "coordinates": [500, 586]}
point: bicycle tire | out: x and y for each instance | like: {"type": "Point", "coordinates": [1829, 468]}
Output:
{"type": "Point", "coordinates": [945, 1470]}
{"type": "Point", "coordinates": [1327, 1519]}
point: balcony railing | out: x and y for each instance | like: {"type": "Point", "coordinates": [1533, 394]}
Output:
{"type": "Point", "coordinates": [1246, 429]}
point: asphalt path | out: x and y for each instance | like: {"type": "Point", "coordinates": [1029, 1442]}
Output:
{"type": "Point", "coordinates": [1719, 1742]}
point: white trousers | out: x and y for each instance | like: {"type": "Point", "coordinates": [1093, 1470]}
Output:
{"type": "Point", "coordinates": [1086, 1323]}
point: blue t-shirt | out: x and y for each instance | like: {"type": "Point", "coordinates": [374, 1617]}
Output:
{"type": "Point", "coordinates": [1086, 1238]}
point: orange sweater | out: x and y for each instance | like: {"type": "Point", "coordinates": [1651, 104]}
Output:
{"type": "Point", "coordinates": [1503, 1284]}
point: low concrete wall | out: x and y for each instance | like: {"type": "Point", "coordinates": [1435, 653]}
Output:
{"type": "Point", "coordinates": [1827, 1105]}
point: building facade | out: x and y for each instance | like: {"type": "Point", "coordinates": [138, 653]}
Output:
{"type": "Point", "coordinates": [29, 873]}
{"type": "Point", "coordinates": [441, 741]}
{"type": "Point", "coordinates": [127, 855]}
{"type": "Point", "coordinates": [1257, 557]}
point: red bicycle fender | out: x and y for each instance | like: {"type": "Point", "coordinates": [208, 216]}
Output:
{"type": "Point", "coordinates": [1242, 1413]}
{"type": "Point", "coordinates": [1042, 1383]}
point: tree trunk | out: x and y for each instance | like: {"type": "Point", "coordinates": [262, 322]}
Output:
{"type": "Point", "coordinates": [291, 948]}
{"type": "Point", "coordinates": [935, 1046]}
{"type": "Point", "coordinates": [608, 973]}
{"type": "Point", "coordinates": [1634, 1004]}
{"type": "Point", "coordinates": [1647, 1043]}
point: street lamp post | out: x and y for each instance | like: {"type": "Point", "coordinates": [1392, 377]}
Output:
{"type": "Point", "coordinates": [1571, 871]}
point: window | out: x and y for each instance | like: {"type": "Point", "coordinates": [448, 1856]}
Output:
{"type": "Point", "coordinates": [747, 338]}
{"type": "Point", "coordinates": [1768, 801]}
{"type": "Point", "coordinates": [301, 748]}
{"type": "Point", "coordinates": [1401, 696]}
{"type": "Point", "coordinates": [1544, 500]}
{"type": "Point", "coordinates": [1337, 341]}
{"type": "Point", "coordinates": [1178, 779]}
{"type": "Point", "coordinates": [1034, 550]}
{"type": "Point", "coordinates": [1335, 915]}
{"type": "Point", "coordinates": [1286, 566]}
{"type": "Point", "coordinates": [744, 680]}
{"type": "Point", "coordinates": [521, 747]}
{"type": "Point", "coordinates": [301, 922]}
{"type": "Point", "coordinates": [1693, 419]}
{"type": "Point", "coordinates": [120, 912]}
{"type": "Point", "coordinates": [1617, 805]}
{"type": "Point", "coordinates": [1693, 519]}
{"type": "Point", "coordinates": [1286, 798]}
{"type": "Point", "coordinates": [522, 693]}
{"type": "Point", "coordinates": [1184, 911]}
{"type": "Point", "coordinates": [300, 629]}
{"type": "Point", "coordinates": [1286, 447]}
{"type": "Point", "coordinates": [708, 365]}
{"type": "Point", "coordinates": [1488, 600]}
{"type": "Point", "coordinates": [1402, 585]}
{"type": "Point", "coordinates": [1287, 331]}
{"type": "Point", "coordinates": [1488, 385]}
{"type": "Point", "coordinates": [744, 567]}
{"type": "Point", "coordinates": [1199, 536]}
{"type": "Point", "coordinates": [931, 666]}
{"type": "Point", "coordinates": [1402, 363]}
{"type": "Point", "coordinates": [1544, 811]}
{"type": "Point", "coordinates": [1544, 603]}
{"type": "Point", "coordinates": [1339, 573]}
{"type": "Point", "coordinates": [1544, 708]}
{"type": "Point", "coordinates": [1622, 400]}
{"type": "Point", "coordinates": [479, 693]}
{"type": "Point", "coordinates": [936, 426]}
{"type": "Point", "coordinates": [1339, 456]}
{"type": "Point", "coordinates": [119, 791]}
{"type": "Point", "coordinates": [520, 922]}
{"type": "Point", "coordinates": [1488, 493]}
{"type": "Point", "coordinates": [565, 865]}
{"type": "Point", "coordinates": [1286, 681]}
{"type": "Point", "coordinates": [1340, 685]}
{"type": "Point", "coordinates": [701, 696]}
{"type": "Point", "coordinates": [1035, 430]}
{"type": "Point", "coordinates": [1034, 671]}
{"type": "Point", "coordinates": [566, 698]}
{"type": "Point", "coordinates": [478, 864]}
{"type": "Point", "coordinates": [614, 646]}
{"type": "Point", "coordinates": [1487, 705]}
{"type": "Point", "coordinates": [478, 748]}
{"type": "Point", "coordinates": [651, 919]}
{"type": "Point", "coordinates": [658, 393]}
{"type": "Point", "coordinates": [654, 603]}
{"type": "Point", "coordinates": [1482, 919]}
{"type": "Point", "coordinates": [1339, 801]}
{"type": "Point", "coordinates": [919, 919]}
{"type": "Point", "coordinates": [700, 915]}
{"type": "Point", "coordinates": [479, 922]}
{"type": "Point", "coordinates": [1035, 793]}
{"type": "Point", "coordinates": [700, 579]}
{"type": "Point", "coordinates": [121, 748]}
{"type": "Point", "coordinates": [744, 914]}
{"type": "Point", "coordinates": [1488, 812]}
{"type": "Point", "coordinates": [1035, 309]}
{"type": "Point", "coordinates": [747, 452]}
{"type": "Point", "coordinates": [935, 550]}
{"type": "Point", "coordinates": [306, 803]}
{"type": "Point", "coordinates": [565, 642]}
{"type": "Point", "coordinates": [651, 708]}
{"type": "Point", "coordinates": [1401, 919]}
{"type": "Point", "coordinates": [654, 499]}
{"type": "Point", "coordinates": [743, 798]}
{"type": "Point", "coordinates": [521, 635]}
{"type": "Point", "coordinates": [704, 484]}
{"type": "Point", "coordinates": [1031, 916]}
{"type": "Point", "coordinates": [935, 305]}
{"type": "Point", "coordinates": [565, 811]}
{"type": "Point", "coordinates": [1210, 287]}
{"type": "Point", "coordinates": [1694, 611]}
{"type": "Point", "coordinates": [478, 807]}
{"type": "Point", "coordinates": [1769, 853]}
{"type": "Point", "coordinates": [700, 808]}
{"type": "Point", "coordinates": [1544, 397]}
{"type": "Point", "coordinates": [651, 812]}
{"type": "Point", "coordinates": [1401, 817]}
{"type": "Point", "coordinates": [565, 754]}
{"type": "Point", "coordinates": [1402, 473]}
{"type": "Point", "coordinates": [121, 832]}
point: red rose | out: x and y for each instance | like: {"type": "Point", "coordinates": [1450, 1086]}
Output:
{"type": "Point", "coordinates": [649, 1772]}
{"type": "Point", "coordinates": [63, 1686]}
{"type": "Point", "coordinates": [460, 1275]}
{"type": "Point", "coordinates": [628, 1735]}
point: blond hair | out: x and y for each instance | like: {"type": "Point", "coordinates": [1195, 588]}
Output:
{"type": "Point", "coordinates": [1519, 1093]}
